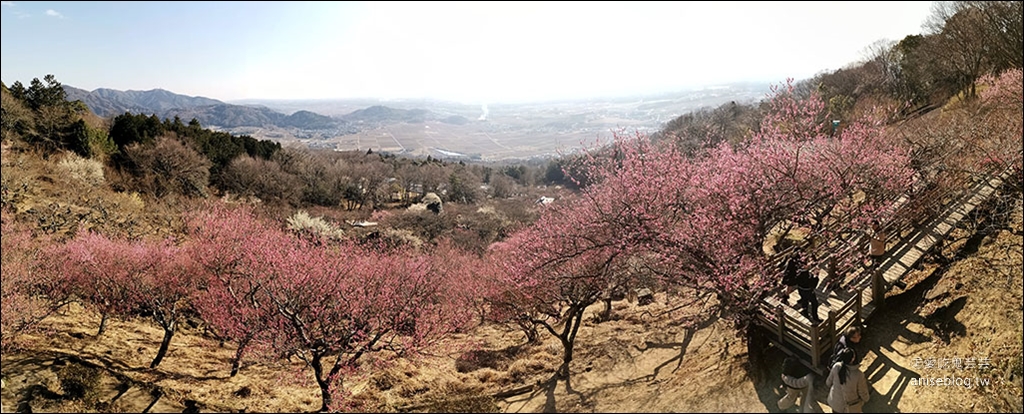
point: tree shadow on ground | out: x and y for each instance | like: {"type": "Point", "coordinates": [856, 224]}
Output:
{"type": "Point", "coordinates": [688, 333]}
{"type": "Point", "coordinates": [587, 400]}
{"type": "Point", "coordinates": [888, 326]}
{"type": "Point", "coordinates": [548, 388]}
{"type": "Point", "coordinates": [770, 392]}
{"type": "Point", "coordinates": [29, 394]}
{"type": "Point", "coordinates": [497, 359]}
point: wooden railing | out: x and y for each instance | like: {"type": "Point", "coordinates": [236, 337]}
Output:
{"type": "Point", "coordinates": [809, 342]}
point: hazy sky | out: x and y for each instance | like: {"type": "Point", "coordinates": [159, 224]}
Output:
{"type": "Point", "coordinates": [471, 52]}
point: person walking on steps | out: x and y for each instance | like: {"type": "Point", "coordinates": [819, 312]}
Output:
{"type": "Point", "coordinates": [846, 341]}
{"type": "Point", "coordinates": [876, 250]}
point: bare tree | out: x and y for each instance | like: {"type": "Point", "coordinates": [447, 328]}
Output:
{"type": "Point", "coordinates": [502, 186]}
{"type": "Point", "coordinates": [1004, 32]}
{"type": "Point", "coordinates": [169, 167]}
{"type": "Point", "coordinates": [975, 38]}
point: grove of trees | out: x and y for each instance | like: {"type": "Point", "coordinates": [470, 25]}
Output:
{"type": "Point", "coordinates": [688, 210]}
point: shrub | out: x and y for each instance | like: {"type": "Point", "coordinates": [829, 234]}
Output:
{"type": "Point", "coordinates": [303, 223]}
{"type": "Point", "coordinates": [78, 382]}
{"type": "Point", "coordinates": [83, 169]}
{"type": "Point", "coordinates": [261, 178]}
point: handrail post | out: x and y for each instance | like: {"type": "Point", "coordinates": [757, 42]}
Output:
{"type": "Point", "coordinates": [831, 329]}
{"type": "Point", "coordinates": [858, 306]}
{"type": "Point", "coordinates": [877, 289]}
{"type": "Point", "coordinates": [780, 315]}
{"type": "Point", "coordinates": [815, 355]}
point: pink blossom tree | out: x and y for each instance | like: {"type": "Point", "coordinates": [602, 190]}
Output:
{"type": "Point", "coordinates": [326, 303]}
{"type": "Point", "coordinates": [555, 269]}
{"type": "Point", "coordinates": [972, 140]}
{"type": "Point", "coordinates": [234, 250]}
{"type": "Point", "coordinates": [341, 302]}
{"type": "Point", "coordinates": [700, 221]}
{"type": "Point", "coordinates": [998, 140]}
{"type": "Point", "coordinates": [96, 268]}
{"type": "Point", "coordinates": [28, 293]}
{"type": "Point", "coordinates": [125, 278]}
{"type": "Point", "coordinates": [469, 274]}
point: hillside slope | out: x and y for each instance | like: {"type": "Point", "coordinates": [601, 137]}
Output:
{"type": "Point", "coordinates": [638, 362]}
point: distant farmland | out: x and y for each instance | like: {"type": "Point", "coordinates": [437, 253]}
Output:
{"type": "Point", "coordinates": [475, 141]}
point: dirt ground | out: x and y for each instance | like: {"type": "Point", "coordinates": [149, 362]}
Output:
{"type": "Point", "coordinates": [966, 304]}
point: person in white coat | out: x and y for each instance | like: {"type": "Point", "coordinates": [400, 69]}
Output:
{"type": "Point", "coordinates": [848, 387]}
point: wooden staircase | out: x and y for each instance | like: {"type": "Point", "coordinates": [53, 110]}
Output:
{"type": "Point", "coordinates": [864, 290]}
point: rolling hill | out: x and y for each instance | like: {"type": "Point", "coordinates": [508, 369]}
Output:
{"type": "Point", "coordinates": [209, 112]}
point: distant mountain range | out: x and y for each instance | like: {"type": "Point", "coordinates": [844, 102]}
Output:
{"type": "Point", "coordinates": [421, 127]}
{"type": "Point", "coordinates": [111, 102]}
{"type": "Point", "coordinates": [211, 112]}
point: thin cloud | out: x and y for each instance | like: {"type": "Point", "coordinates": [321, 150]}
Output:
{"type": "Point", "coordinates": [7, 3]}
{"type": "Point", "coordinates": [54, 13]}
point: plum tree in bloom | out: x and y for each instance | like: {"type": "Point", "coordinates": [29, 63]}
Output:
{"type": "Point", "coordinates": [329, 304]}
{"type": "Point", "coordinates": [471, 277]}
{"type": "Point", "coordinates": [165, 290]}
{"type": "Point", "coordinates": [998, 140]}
{"type": "Point", "coordinates": [701, 221]}
{"type": "Point", "coordinates": [96, 268]}
{"type": "Point", "coordinates": [552, 271]}
{"type": "Point", "coordinates": [341, 302]}
{"type": "Point", "coordinates": [19, 309]}
{"type": "Point", "coordinates": [973, 140]}
{"type": "Point", "coordinates": [125, 278]}
{"type": "Point", "coordinates": [28, 293]}
{"type": "Point", "coordinates": [789, 172]}
{"type": "Point", "coordinates": [233, 250]}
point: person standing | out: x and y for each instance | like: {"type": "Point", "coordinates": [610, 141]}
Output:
{"type": "Point", "coordinates": [847, 341]}
{"type": "Point", "coordinates": [876, 244]}
{"type": "Point", "coordinates": [848, 386]}
{"type": "Point", "coordinates": [789, 276]}
{"type": "Point", "coordinates": [798, 381]}
{"type": "Point", "coordinates": [805, 284]}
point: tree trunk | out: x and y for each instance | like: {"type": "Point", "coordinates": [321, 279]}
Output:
{"type": "Point", "coordinates": [530, 329]}
{"type": "Point", "coordinates": [103, 324]}
{"type": "Point", "coordinates": [532, 336]}
{"type": "Point", "coordinates": [757, 343]}
{"type": "Point", "coordinates": [325, 389]}
{"type": "Point", "coordinates": [568, 338]}
{"type": "Point", "coordinates": [563, 371]}
{"type": "Point", "coordinates": [607, 315]}
{"type": "Point", "coordinates": [168, 333]}
{"type": "Point", "coordinates": [237, 360]}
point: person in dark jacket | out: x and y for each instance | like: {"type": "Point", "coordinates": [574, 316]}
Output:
{"type": "Point", "coordinates": [846, 341]}
{"type": "Point", "coordinates": [793, 265]}
{"type": "Point", "coordinates": [806, 282]}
